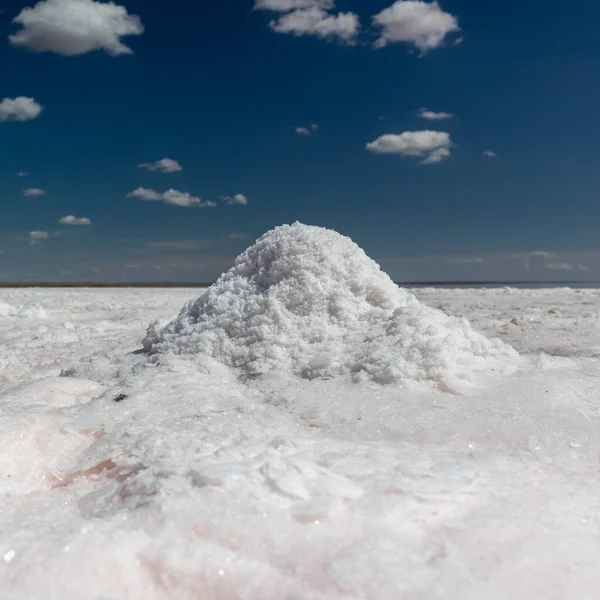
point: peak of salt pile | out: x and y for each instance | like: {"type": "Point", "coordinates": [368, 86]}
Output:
{"type": "Point", "coordinates": [309, 301]}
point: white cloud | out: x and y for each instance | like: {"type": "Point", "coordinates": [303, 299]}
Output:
{"type": "Point", "coordinates": [317, 22]}
{"type": "Point", "coordinates": [307, 131]}
{"type": "Point", "coordinates": [174, 197]}
{"type": "Point", "coordinates": [561, 266]}
{"type": "Point", "coordinates": [433, 145]}
{"type": "Point", "coordinates": [423, 24]}
{"type": "Point", "coordinates": [238, 199]}
{"type": "Point", "coordinates": [489, 153]}
{"type": "Point", "coordinates": [550, 261]}
{"type": "Point", "coordinates": [19, 109]}
{"type": "Point", "coordinates": [184, 199]}
{"type": "Point", "coordinates": [164, 165]}
{"type": "Point", "coordinates": [22, 174]}
{"type": "Point", "coordinates": [436, 156]}
{"type": "Point", "coordinates": [145, 194]}
{"type": "Point", "coordinates": [35, 237]}
{"type": "Point", "coordinates": [34, 192]}
{"type": "Point", "coordinates": [540, 259]}
{"type": "Point", "coordinates": [475, 260]}
{"type": "Point", "coordinates": [74, 27]}
{"type": "Point", "coordinates": [71, 220]}
{"type": "Point", "coordinates": [434, 116]}
{"type": "Point", "coordinates": [287, 5]}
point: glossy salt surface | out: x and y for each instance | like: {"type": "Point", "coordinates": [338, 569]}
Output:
{"type": "Point", "coordinates": [211, 483]}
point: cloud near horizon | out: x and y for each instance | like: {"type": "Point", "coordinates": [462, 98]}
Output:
{"type": "Point", "coordinates": [562, 266]}
{"type": "Point", "coordinates": [35, 237]}
{"type": "Point", "coordinates": [179, 245]}
{"type": "Point", "coordinates": [549, 261]}
{"type": "Point", "coordinates": [475, 260]}
{"type": "Point", "coordinates": [75, 27]}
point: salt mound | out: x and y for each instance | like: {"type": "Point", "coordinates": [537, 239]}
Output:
{"type": "Point", "coordinates": [308, 301]}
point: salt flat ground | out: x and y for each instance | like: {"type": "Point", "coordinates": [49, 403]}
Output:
{"type": "Point", "coordinates": [219, 487]}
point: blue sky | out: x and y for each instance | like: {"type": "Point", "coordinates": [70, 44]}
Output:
{"type": "Point", "coordinates": [230, 92]}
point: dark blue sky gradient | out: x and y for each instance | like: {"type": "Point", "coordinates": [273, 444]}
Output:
{"type": "Point", "coordinates": [212, 87]}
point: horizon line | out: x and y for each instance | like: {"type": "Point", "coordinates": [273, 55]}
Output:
{"type": "Point", "coordinates": [205, 284]}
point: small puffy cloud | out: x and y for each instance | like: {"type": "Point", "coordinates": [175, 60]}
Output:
{"type": "Point", "coordinates": [164, 165]}
{"type": "Point", "coordinates": [433, 145]}
{"type": "Point", "coordinates": [306, 130]}
{"type": "Point", "coordinates": [34, 192]}
{"type": "Point", "coordinates": [288, 5]}
{"type": "Point", "coordinates": [489, 154]}
{"type": "Point", "coordinates": [19, 109]}
{"type": "Point", "coordinates": [71, 220]}
{"type": "Point", "coordinates": [434, 116]}
{"type": "Point", "coordinates": [35, 237]}
{"type": "Point", "coordinates": [436, 156]}
{"type": "Point", "coordinates": [238, 199]}
{"type": "Point", "coordinates": [145, 194]}
{"type": "Point", "coordinates": [562, 266]}
{"type": "Point", "coordinates": [316, 22]}
{"type": "Point", "coordinates": [174, 197]}
{"type": "Point", "coordinates": [74, 27]}
{"type": "Point", "coordinates": [177, 198]}
{"type": "Point", "coordinates": [423, 24]}
{"type": "Point", "coordinates": [21, 174]}
{"type": "Point", "coordinates": [475, 260]}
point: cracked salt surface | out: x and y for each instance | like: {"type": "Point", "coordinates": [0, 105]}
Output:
{"type": "Point", "coordinates": [207, 481]}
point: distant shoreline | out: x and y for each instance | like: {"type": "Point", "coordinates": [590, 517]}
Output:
{"type": "Point", "coordinates": [205, 284]}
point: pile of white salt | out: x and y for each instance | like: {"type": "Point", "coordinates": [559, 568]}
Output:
{"type": "Point", "coordinates": [308, 301]}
